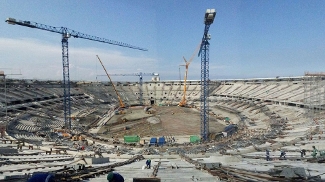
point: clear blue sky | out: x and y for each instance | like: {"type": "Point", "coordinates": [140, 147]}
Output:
{"type": "Point", "coordinates": [250, 39]}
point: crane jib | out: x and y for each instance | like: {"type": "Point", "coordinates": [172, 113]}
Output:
{"type": "Point", "coordinates": [70, 32]}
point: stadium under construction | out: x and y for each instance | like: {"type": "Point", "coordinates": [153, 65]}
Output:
{"type": "Point", "coordinates": [259, 129]}
{"type": "Point", "coordinates": [267, 114]}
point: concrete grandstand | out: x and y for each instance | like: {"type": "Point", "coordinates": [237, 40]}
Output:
{"type": "Point", "coordinates": [271, 114]}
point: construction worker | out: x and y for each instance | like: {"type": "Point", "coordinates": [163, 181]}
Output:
{"type": "Point", "coordinates": [114, 177]}
{"type": "Point", "coordinates": [314, 154]}
{"type": "Point", "coordinates": [148, 163]}
{"type": "Point", "coordinates": [302, 152]}
{"type": "Point", "coordinates": [283, 154]}
{"type": "Point", "coordinates": [267, 155]}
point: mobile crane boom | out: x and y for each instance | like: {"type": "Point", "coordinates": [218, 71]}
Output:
{"type": "Point", "coordinates": [182, 103]}
{"type": "Point", "coordinates": [118, 95]}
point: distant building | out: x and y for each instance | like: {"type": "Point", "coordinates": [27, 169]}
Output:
{"type": "Point", "coordinates": [155, 78]}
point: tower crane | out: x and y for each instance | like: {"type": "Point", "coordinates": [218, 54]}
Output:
{"type": "Point", "coordinates": [66, 34]}
{"type": "Point", "coordinates": [182, 103]}
{"type": "Point", "coordinates": [140, 75]}
{"type": "Point", "coordinates": [118, 95]}
{"type": "Point", "coordinates": [204, 52]}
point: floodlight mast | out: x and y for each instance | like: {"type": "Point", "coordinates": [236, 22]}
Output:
{"type": "Point", "coordinates": [204, 52]}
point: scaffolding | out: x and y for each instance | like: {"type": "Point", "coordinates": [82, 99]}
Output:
{"type": "Point", "coordinates": [314, 96]}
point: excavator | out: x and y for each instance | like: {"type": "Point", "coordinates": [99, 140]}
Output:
{"type": "Point", "coordinates": [122, 105]}
{"type": "Point", "coordinates": [182, 103]}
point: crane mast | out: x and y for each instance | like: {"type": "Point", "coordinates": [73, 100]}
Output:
{"type": "Point", "coordinates": [118, 95]}
{"type": "Point", "coordinates": [204, 52]}
{"type": "Point", "coordinates": [66, 34]}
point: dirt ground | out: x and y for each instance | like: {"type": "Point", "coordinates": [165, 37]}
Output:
{"type": "Point", "coordinates": [173, 121]}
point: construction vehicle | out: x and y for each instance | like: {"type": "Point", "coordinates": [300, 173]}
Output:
{"type": "Point", "coordinates": [64, 135]}
{"type": "Point", "coordinates": [77, 138]}
{"type": "Point", "coordinates": [118, 95]}
{"type": "Point", "coordinates": [182, 103]}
